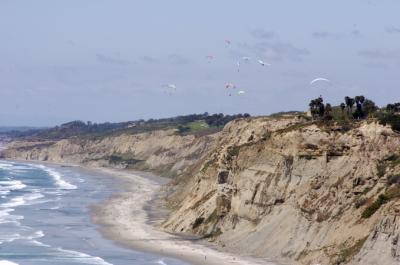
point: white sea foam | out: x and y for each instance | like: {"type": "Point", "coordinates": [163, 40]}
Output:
{"type": "Point", "coordinates": [6, 165]}
{"type": "Point", "coordinates": [22, 200]}
{"type": "Point", "coordinates": [6, 186]}
{"type": "Point", "coordinates": [6, 217]}
{"type": "Point", "coordinates": [7, 262]}
{"type": "Point", "coordinates": [38, 243]}
{"type": "Point", "coordinates": [58, 178]}
{"type": "Point", "coordinates": [81, 257]}
{"type": "Point", "coordinates": [161, 262]}
{"type": "Point", "coordinates": [4, 237]}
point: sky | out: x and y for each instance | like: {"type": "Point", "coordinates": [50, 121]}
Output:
{"type": "Point", "coordinates": [110, 60]}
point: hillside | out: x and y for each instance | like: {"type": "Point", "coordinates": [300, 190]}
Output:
{"type": "Point", "coordinates": [293, 190]}
{"type": "Point", "coordinates": [281, 187]}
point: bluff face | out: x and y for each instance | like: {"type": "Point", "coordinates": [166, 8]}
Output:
{"type": "Point", "coordinates": [164, 151]}
{"type": "Point", "coordinates": [292, 190]}
{"type": "Point", "coordinates": [283, 188]}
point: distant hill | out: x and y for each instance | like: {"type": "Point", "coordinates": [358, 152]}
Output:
{"type": "Point", "coordinates": [186, 124]}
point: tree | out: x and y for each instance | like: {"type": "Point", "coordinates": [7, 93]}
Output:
{"type": "Point", "coordinates": [369, 107]}
{"type": "Point", "coordinates": [349, 104]}
{"type": "Point", "coordinates": [317, 108]}
{"type": "Point", "coordinates": [328, 112]}
{"type": "Point", "coordinates": [342, 106]}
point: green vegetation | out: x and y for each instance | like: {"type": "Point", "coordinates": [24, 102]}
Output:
{"type": "Point", "coordinates": [347, 254]}
{"type": "Point", "coordinates": [193, 123]}
{"type": "Point", "coordinates": [232, 151]}
{"type": "Point", "coordinates": [390, 194]}
{"type": "Point", "coordinates": [370, 210]}
{"type": "Point", "coordinates": [197, 222]}
{"type": "Point", "coordinates": [381, 169]}
{"type": "Point", "coordinates": [394, 179]}
{"type": "Point", "coordinates": [125, 159]}
{"type": "Point", "coordinates": [360, 201]}
{"type": "Point", "coordinates": [345, 111]}
{"type": "Point", "coordinates": [392, 119]}
{"type": "Point", "coordinates": [192, 127]}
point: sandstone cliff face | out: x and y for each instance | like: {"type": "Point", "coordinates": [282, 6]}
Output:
{"type": "Point", "coordinates": [284, 188]}
{"type": "Point", "coordinates": [161, 151]}
{"type": "Point", "coordinates": [291, 190]}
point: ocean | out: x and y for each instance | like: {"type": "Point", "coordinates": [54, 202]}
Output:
{"type": "Point", "coordinates": [45, 218]}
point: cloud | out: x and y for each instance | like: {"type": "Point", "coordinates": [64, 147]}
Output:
{"type": "Point", "coordinates": [376, 65]}
{"type": "Point", "coordinates": [277, 51]}
{"type": "Point", "coordinates": [393, 30]}
{"type": "Point", "coordinates": [325, 35]}
{"type": "Point", "coordinates": [380, 54]}
{"type": "Point", "coordinates": [148, 59]}
{"type": "Point", "coordinates": [355, 33]}
{"type": "Point", "coordinates": [177, 59]}
{"type": "Point", "coordinates": [262, 34]}
{"type": "Point", "coordinates": [111, 60]}
{"type": "Point", "coordinates": [294, 74]}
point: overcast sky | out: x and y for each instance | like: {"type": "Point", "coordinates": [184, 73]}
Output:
{"type": "Point", "coordinates": [108, 60]}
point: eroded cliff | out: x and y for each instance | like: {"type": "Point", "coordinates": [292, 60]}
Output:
{"type": "Point", "coordinates": [284, 188]}
{"type": "Point", "coordinates": [163, 151]}
{"type": "Point", "coordinates": [298, 191]}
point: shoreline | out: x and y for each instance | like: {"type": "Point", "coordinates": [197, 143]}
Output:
{"type": "Point", "coordinates": [125, 219]}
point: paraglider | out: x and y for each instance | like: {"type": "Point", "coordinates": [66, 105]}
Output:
{"type": "Point", "coordinates": [263, 63]}
{"type": "Point", "coordinates": [230, 85]}
{"type": "Point", "coordinates": [319, 79]}
{"type": "Point", "coordinates": [210, 58]}
{"type": "Point", "coordinates": [170, 88]}
{"type": "Point", "coordinates": [245, 59]}
{"type": "Point", "coordinates": [241, 92]}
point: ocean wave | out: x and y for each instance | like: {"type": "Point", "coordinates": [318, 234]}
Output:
{"type": "Point", "coordinates": [58, 178]}
{"type": "Point", "coordinates": [7, 262]}
{"type": "Point", "coordinates": [6, 217]}
{"type": "Point", "coordinates": [22, 200]}
{"type": "Point", "coordinates": [161, 262]}
{"type": "Point", "coordinates": [16, 236]}
{"type": "Point", "coordinates": [80, 257]}
{"type": "Point", "coordinates": [6, 186]}
{"type": "Point", "coordinates": [6, 165]}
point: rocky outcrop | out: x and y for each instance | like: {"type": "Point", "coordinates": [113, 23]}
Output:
{"type": "Point", "coordinates": [292, 190]}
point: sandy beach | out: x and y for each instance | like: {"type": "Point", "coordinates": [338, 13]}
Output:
{"type": "Point", "coordinates": [124, 219]}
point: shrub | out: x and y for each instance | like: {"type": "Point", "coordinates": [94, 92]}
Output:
{"type": "Point", "coordinates": [233, 151]}
{"type": "Point", "coordinates": [391, 119]}
{"type": "Point", "coordinates": [359, 201]}
{"type": "Point", "coordinates": [393, 179]}
{"type": "Point", "coordinates": [381, 169]}
{"type": "Point", "coordinates": [370, 210]}
{"type": "Point", "coordinates": [197, 222]}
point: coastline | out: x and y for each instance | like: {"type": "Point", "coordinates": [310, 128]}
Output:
{"type": "Point", "coordinates": [124, 219]}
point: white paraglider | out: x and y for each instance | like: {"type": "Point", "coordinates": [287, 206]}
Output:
{"type": "Point", "coordinates": [169, 88]}
{"type": "Point", "coordinates": [241, 92]}
{"type": "Point", "coordinates": [172, 86]}
{"type": "Point", "coordinates": [263, 63]}
{"type": "Point", "coordinates": [319, 79]}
